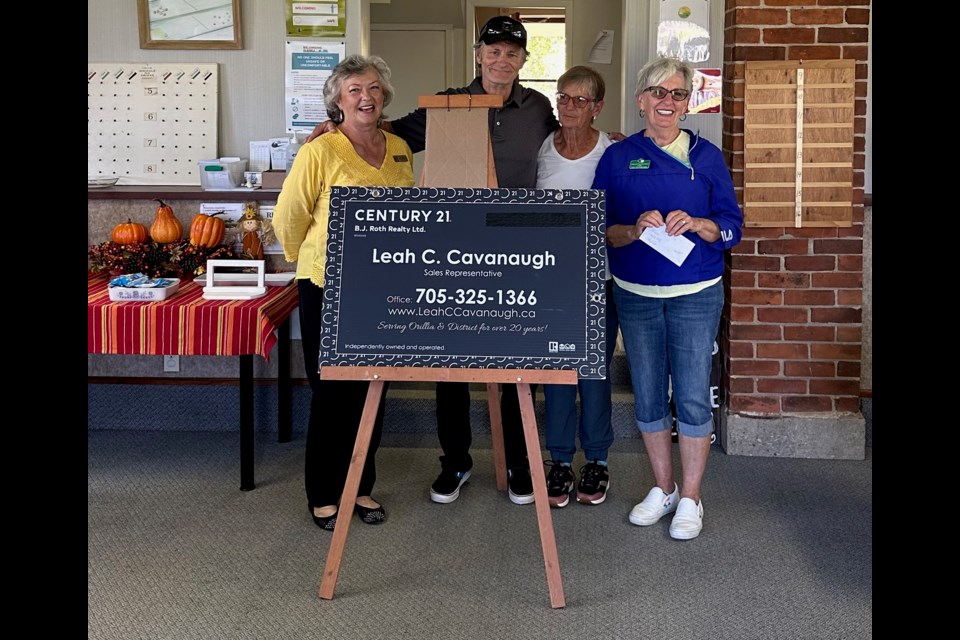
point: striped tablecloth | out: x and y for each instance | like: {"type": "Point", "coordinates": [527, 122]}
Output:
{"type": "Point", "coordinates": [186, 324]}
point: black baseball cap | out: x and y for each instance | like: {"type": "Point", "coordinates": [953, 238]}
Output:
{"type": "Point", "coordinates": [503, 28]}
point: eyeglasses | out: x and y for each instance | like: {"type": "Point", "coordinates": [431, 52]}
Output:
{"type": "Point", "coordinates": [495, 31]}
{"type": "Point", "coordinates": [503, 28]}
{"type": "Point", "coordinates": [678, 95]}
{"type": "Point", "coordinates": [580, 102]}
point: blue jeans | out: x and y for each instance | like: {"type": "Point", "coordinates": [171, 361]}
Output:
{"type": "Point", "coordinates": [671, 338]}
{"type": "Point", "coordinates": [560, 416]}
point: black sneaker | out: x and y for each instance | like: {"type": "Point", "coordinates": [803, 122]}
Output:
{"type": "Point", "coordinates": [446, 488]}
{"type": "Point", "coordinates": [520, 485]}
{"type": "Point", "coordinates": [594, 482]}
{"type": "Point", "coordinates": [560, 483]}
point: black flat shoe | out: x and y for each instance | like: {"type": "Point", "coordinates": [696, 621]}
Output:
{"type": "Point", "coordinates": [371, 516]}
{"type": "Point", "coordinates": [326, 522]}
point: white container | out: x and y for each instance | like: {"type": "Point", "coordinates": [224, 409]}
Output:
{"type": "Point", "coordinates": [222, 286]}
{"type": "Point", "coordinates": [296, 141]}
{"type": "Point", "coordinates": [225, 173]}
{"type": "Point", "coordinates": [144, 294]}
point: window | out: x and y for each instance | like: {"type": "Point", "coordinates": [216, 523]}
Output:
{"type": "Point", "coordinates": [546, 42]}
{"type": "Point", "coordinates": [549, 32]}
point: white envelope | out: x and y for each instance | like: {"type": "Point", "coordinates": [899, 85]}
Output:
{"type": "Point", "coordinates": [674, 248]}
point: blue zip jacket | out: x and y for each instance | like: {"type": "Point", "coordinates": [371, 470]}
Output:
{"type": "Point", "coordinates": [639, 176]}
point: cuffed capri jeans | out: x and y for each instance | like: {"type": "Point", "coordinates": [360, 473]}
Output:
{"type": "Point", "coordinates": [668, 338]}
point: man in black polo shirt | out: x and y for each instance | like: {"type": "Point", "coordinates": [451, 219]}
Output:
{"type": "Point", "coordinates": [518, 128]}
{"type": "Point", "coordinates": [516, 131]}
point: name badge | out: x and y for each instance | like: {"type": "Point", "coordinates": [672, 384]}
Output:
{"type": "Point", "coordinates": [400, 159]}
{"type": "Point", "coordinates": [640, 164]}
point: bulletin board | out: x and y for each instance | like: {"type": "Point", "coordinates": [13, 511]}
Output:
{"type": "Point", "coordinates": [151, 123]}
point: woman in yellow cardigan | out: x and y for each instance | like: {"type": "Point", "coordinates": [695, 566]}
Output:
{"type": "Point", "coordinates": [359, 153]}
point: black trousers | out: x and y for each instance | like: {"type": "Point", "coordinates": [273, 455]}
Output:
{"type": "Point", "coordinates": [336, 407]}
{"type": "Point", "coordinates": [453, 426]}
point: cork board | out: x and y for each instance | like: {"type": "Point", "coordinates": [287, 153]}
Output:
{"type": "Point", "coordinates": [151, 123]}
{"type": "Point", "coordinates": [798, 143]}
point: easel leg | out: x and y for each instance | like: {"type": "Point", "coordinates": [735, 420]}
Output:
{"type": "Point", "coordinates": [547, 539]}
{"type": "Point", "coordinates": [349, 498]}
{"type": "Point", "coordinates": [496, 432]}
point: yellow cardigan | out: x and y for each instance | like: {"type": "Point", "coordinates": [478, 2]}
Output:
{"type": "Point", "coordinates": [303, 207]}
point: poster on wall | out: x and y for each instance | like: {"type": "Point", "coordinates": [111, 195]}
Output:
{"type": "Point", "coordinates": [707, 91]}
{"type": "Point", "coordinates": [316, 19]}
{"type": "Point", "coordinates": [684, 30]}
{"type": "Point", "coordinates": [308, 65]}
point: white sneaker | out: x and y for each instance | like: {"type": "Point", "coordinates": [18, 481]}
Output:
{"type": "Point", "coordinates": [656, 505]}
{"type": "Point", "coordinates": [688, 522]}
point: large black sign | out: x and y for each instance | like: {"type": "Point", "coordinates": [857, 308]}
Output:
{"type": "Point", "coordinates": [456, 277]}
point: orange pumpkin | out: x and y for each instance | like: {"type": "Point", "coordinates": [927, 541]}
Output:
{"type": "Point", "coordinates": [166, 227]}
{"type": "Point", "coordinates": [128, 232]}
{"type": "Point", "coordinates": [206, 230]}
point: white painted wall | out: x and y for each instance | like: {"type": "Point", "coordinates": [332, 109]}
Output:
{"type": "Point", "coordinates": [251, 79]}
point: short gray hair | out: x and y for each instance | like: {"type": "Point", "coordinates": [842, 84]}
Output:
{"type": "Point", "coordinates": [582, 75]}
{"type": "Point", "coordinates": [352, 66]}
{"type": "Point", "coordinates": [659, 69]}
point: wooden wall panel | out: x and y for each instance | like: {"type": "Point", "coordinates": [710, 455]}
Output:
{"type": "Point", "coordinates": [817, 192]}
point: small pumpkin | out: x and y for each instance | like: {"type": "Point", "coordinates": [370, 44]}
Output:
{"type": "Point", "coordinates": [128, 232]}
{"type": "Point", "coordinates": [166, 227]}
{"type": "Point", "coordinates": [206, 230]}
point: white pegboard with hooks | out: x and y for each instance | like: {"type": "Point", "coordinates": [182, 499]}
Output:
{"type": "Point", "coordinates": [151, 123]}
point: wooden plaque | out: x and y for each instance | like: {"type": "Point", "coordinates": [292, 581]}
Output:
{"type": "Point", "coordinates": [798, 143]}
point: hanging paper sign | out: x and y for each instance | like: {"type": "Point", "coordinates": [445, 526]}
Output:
{"type": "Point", "coordinates": [684, 30]}
{"type": "Point", "coordinates": [316, 19]}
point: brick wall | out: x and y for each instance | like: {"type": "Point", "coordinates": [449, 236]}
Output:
{"type": "Point", "coordinates": [794, 298]}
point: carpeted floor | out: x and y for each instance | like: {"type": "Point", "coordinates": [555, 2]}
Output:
{"type": "Point", "coordinates": [176, 551]}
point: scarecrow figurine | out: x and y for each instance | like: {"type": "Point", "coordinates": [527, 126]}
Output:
{"type": "Point", "coordinates": [251, 224]}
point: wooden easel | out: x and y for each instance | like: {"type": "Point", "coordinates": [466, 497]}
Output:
{"type": "Point", "coordinates": [523, 378]}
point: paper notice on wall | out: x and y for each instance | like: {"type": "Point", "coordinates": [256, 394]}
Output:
{"type": "Point", "coordinates": [602, 50]}
{"type": "Point", "coordinates": [684, 30]}
{"type": "Point", "coordinates": [308, 65]}
{"type": "Point", "coordinates": [324, 19]}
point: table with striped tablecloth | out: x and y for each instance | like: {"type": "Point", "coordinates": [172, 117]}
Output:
{"type": "Point", "coordinates": [187, 324]}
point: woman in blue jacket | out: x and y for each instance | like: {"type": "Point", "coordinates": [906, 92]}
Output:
{"type": "Point", "coordinates": [666, 183]}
